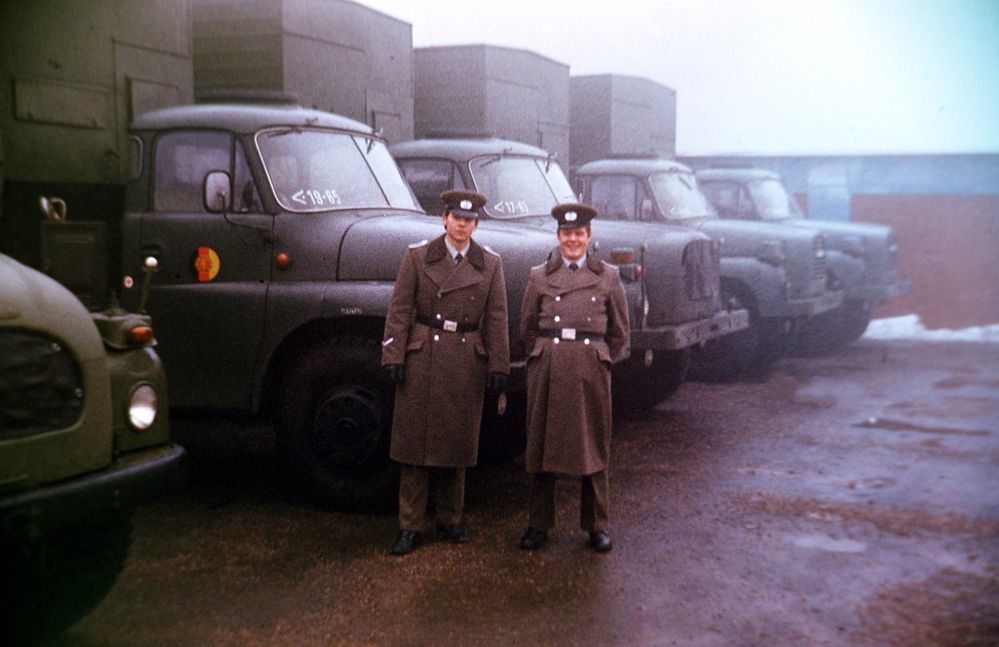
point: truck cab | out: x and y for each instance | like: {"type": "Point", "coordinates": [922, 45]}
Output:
{"type": "Point", "coordinates": [862, 257]}
{"type": "Point", "coordinates": [278, 232]}
{"type": "Point", "coordinates": [671, 274]}
{"type": "Point", "coordinates": [776, 273]}
{"type": "Point", "coordinates": [84, 437]}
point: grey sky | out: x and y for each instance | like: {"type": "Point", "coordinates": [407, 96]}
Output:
{"type": "Point", "coordinates": [776, 77]}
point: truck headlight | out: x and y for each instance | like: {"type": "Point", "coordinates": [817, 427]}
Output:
{"type": "Point", "coordinates": [142, 407]}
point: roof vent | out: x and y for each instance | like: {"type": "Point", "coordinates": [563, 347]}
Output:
{"type": "Point", "coordinates": [264, 97]}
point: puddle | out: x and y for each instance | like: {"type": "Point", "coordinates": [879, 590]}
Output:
{"type": "Point", "coordinates": [901, 425]}
{"type": "Point", "coordinates": [822, 542]}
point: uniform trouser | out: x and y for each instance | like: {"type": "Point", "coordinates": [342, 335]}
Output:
{"type": "Point", "coordinates": [414, 491]}
{"type": "Point", "coordinates": [594, 499]}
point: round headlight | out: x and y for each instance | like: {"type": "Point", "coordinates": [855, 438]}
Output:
{"type": "Point", "coordinates": [142, 407]}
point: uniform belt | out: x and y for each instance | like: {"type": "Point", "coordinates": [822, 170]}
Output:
{"type": "Point", "coordinates": [570, 334]}
{"type": "Point", "coordinates": [447, 324]}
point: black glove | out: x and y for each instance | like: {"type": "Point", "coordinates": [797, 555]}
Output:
{"type": "Point", "coordinates": [395, 373]}
{"type": "Point", "coordinates": [496, 382]}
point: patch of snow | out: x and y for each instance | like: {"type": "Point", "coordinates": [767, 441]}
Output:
{"type": "Point", "coordinates": [910, 327]}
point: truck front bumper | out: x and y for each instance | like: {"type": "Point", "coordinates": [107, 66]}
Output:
{"type": "Point", "coordinates": [879, 293]}
{"type": "Point", "coordinates": [797, 308]}
{"type": "Point", "coordinates": [133, 479]}
{"type": "Point", "coordinates": [690, 333]}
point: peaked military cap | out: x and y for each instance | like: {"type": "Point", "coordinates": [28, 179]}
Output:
{"type": "Point", "coordinates": [464, 203]}
{"type": "Point", "coordinates": [573, 214]}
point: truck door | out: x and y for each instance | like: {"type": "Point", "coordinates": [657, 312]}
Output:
{"type": "Point", "coordinates": [208, 295]}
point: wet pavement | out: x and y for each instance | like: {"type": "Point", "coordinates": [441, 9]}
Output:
{"type": "Point", "coordinates": [845, 500]}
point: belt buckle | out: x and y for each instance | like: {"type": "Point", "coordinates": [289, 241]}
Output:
{"type": "Point", "coordinates": [569, 334]}
{"type": "Point", "coordinates": [450, 326]}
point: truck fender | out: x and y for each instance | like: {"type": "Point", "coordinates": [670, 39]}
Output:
{"type": "Point", "coordinates": [764, 281]}
{"type": "Point", "coordinates": [300, 315]}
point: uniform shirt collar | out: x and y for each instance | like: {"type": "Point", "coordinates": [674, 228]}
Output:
{"type": "Point", "coordinates": [581, 261]}
{"type": "Point", "coordinates": [453, 251]}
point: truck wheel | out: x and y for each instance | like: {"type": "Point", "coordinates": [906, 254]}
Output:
{"type": "Point", "coordinates": [856, 318]}
{"type": "Point", "coordinates": [334, 425]}
{"type": "Point", "coordinates": [737, 354]}
{"type": "Point", "coordinates": [51, 582]}
{"type": "Point", "coordinates": [832, 330]}
{"type": "Point", "coordinates": [503, 437]}
{"type": "Point", "coordinates": [640, 387]}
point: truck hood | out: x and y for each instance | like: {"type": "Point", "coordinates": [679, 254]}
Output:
{"type": "Point", "coordinates": [32, 300]}
{"type": "Point", "coordinates": [373, 248]}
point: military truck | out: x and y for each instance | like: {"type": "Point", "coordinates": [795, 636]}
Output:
{"type": "Point", "coordinates": [776, 273]}
{"type": "Point", "coordinates": [861, 258]}
{"type": "Point", "coordinates": [83, 439]}
{"type": "Point", "coordinates": [674, 279]}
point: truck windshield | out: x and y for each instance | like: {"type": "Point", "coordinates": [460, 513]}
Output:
{"type": "Point", "coordinates": [314, 170]}
{"type": "Point", "coordinates": [773, 201]}
{"type": "Point", "coordinates": [519, 186]}
{"type": "Point", "coordinates": [679, 197]}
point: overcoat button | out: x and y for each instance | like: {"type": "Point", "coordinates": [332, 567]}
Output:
{"type": "Point", "coordinates": [556, 340]}
{"type": "Point", "coordinates": [587, 341]}
{"type": "Point", "coordinates": [437, 337]}
{"type": "Point", "coordinates": [558, 298]}
{"type": "Point", "coordinates": [463, 340]}
{"type": "Point", "coordinates": [438, 315]}
{"type": "Point", "coordinates": [593, 298]}
{"type": "Point", "coordinates": [557, 319]}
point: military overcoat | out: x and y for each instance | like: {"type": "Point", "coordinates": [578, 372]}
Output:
{"type": "Point", "coordinates": [438, 408]}
{"type": "Point", "coordinates": [568, 382]}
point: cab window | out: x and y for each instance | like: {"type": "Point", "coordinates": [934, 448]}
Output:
{"type": "Point", "coordinates": [729, 199]}
{"type": "Point", "coordinates": [614, 196]}
{"type": "Point", "coordinates": [182, 161]}
{"type": "Point", "coordinates": [429, 179]}
{"type": "Point", "coordinates": [246, 198]}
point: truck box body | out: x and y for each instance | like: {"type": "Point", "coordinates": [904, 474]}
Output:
{"type": "Point", "coordinates": [336, 56]}
{"type": "Point", "coordinates": [72, 76]}
{"type": "Point", "coordinates": [510, 93]}
{"type": "Point", "coordinates": [613, 115]}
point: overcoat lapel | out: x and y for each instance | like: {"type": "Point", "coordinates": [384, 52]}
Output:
{"type": "Point", "coordinates": [441, 269]}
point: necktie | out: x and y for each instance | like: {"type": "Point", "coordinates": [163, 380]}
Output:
{"type": "Point", "coordinates": [457, 258]}
{"type": "Point", "coordinates": [573, 267]}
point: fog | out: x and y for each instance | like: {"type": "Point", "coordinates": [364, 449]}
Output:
{"type": "Point", "coordinates": [770, 77]}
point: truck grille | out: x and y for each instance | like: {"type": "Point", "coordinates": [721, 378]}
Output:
{"type": "Point", "coordinates": [701, 270]}
{"type": "Point", "coordinates": [41, 386]}
{"type": "Point", "coordinates": [818, 262]}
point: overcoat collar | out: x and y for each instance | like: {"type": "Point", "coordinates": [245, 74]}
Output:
{"type": "Point", "coordinates": [559, 276]}
{"type": "Point", "coordinates": [445, 275]}
{"type": "Point", "coordinates": [437, 250]}
{"type": "Point", "coordinates": [555, 262]}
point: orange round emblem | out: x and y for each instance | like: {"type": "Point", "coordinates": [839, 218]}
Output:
{"type": "Point", "coordinates": [206, 264]}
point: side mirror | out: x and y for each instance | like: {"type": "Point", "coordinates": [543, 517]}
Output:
{"type": "Point", "coordinates": [645, 210]}
{"type": "Point", "coordinates": [217, 192]}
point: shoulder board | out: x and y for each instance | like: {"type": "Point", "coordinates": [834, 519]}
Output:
{"type": "Point", "coordinates": [490, 250]}
{"type": "Point", "coordinates": [540, 266]}
{"type": "Point", "coordinates": [419, 244]}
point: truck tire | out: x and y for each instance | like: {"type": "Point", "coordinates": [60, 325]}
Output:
{"type": "Point", "coordinates": [833, 330]}
{"type": "Point", "coordinates": [739, 354]}
{"type": "Point", "coordinates": [334, 425]}
{"type": "Point", "coordinates": [51, 582]}
{"type": "Point", "coordinates": [638, 387]}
